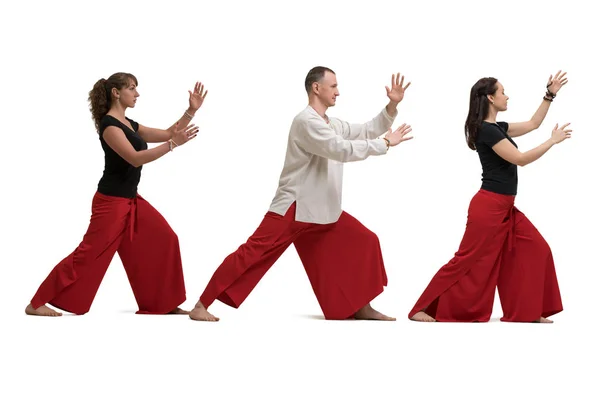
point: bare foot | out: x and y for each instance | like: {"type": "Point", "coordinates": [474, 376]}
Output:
{"type": "Point", "coordinates": [543, 320]}
{"type": "Point", "coordinates": [43, 311]}
{"type": "Point", "coordinates": [179, 311]}
{"type": "Point", "coordinates": [421, 316]}
{"type": "Point", "coordinates": [367, 312]}
{"type": "Point", "coordinates": [199, 313]}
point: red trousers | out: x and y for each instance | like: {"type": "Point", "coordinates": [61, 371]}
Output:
{"type": "Point", "coordinates": [342, 260]}
{"type": "Point", "coordinates": [500, 248]}
{"type": "Point", "coordinates": [147, 246]}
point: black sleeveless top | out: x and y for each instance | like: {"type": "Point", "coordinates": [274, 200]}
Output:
{"type": "Point", "coordinates": [498, 176]}
{"type": "Point", "coordinates": [120, 178]}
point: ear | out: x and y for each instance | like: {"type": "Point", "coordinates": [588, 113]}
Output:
{"type": "Point", "coordinates": [490, 98]}
{"type": "Point", "coordinates": [315, 87]}
{"type": "Point", "coordinates": [114, 92]}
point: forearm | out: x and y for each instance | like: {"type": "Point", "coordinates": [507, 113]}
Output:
{"type": "Point", "coordinates": [339, 149]}
{"type": "Point", "coordinates": [535, 153]}
{"type": "Point", "coordinates": [374, 128]}
{"type": "Point", "coordinates": [146, 156]}
{"type": "Point", "coordinates": [540, 114]}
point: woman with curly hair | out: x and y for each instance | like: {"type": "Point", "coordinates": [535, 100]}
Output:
{"type": "Point", "coordinates": [122, 221]}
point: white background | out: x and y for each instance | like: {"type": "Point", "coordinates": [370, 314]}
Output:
{"type": "Point", "coordinates": [253, 57]}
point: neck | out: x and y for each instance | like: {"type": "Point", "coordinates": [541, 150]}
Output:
{"type": "Point", "coordinates": [492, 114]}
{"type": "Point", "coordinates": [318, 106]}
{"type": "Point", "coordinates": [117, 111]}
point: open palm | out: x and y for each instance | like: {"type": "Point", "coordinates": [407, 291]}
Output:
{"type": "Point", "coordinates": [558, 81]}
{"type": "Point", "coordinates": [197, 96]}
{"type": "Point", "coordinates": [396, 91]}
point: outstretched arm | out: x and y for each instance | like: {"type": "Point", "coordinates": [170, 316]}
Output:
{"type": "Point", "coordinates": [554, 84]}
{"type": "Point", "coordinates": [116, 139]}
{"type": "Point", "coordinates": [510, 153]}
{"type": "Point", "coordinates": [319, 139]}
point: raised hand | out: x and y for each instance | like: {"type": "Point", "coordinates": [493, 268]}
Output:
{"type": "Point", "coordinates": [399, 135]}
{"type": "Point", "coordinates": [197, 96]}
{"type": "Point", "coordinates": [182, 136]}
{"type": "Point", "coordinates": [396, 91]}
{"type": "Point", "coordinates": [560, 134]}
{"type": "Point", "coordinates": [558, 81]}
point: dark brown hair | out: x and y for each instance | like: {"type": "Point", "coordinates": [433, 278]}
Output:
{"type": "Point", "coordinates": [479, 106]}
{"type": "Point", "coordinates": [100, 96]}
{"type": "Point", "coordinates": [315, 75]}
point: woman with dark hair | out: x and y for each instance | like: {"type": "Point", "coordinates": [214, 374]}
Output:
{"type": "Point", "coordinates": [122, 221]}
{"type": "Point", "coordinates": [500, 247]}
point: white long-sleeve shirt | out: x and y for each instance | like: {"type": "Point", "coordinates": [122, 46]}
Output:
{"type": "Point", "coordinates": [313, 170]}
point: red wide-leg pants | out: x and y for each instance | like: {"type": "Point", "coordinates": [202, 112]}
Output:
{"type": "Point", "coordinates": [147, 246]}
{"type": "Point", "coordinates": [343, 262]}
{"type": "Point", "coordinates": [500, 248]}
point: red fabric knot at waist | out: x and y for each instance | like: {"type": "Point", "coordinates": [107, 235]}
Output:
{"type": "Point", "coordinates": [132, 218]}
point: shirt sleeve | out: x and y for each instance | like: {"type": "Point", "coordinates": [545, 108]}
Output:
{"type": "Point", "coordinates": [491, 134]}
{"type": "Point", "coordinates": [504, 126]}
{"type": "Point", "coordinates": [316, 137]}
{"type": "Point", "coordinates": [105, 122]}
{"type": "Point", "coordinates": [370, 130]}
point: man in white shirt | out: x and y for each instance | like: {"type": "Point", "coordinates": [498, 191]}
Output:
{"type": "Point", "coordinates": [341, 257]}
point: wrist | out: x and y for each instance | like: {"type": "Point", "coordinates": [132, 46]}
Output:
{"type": "Point", "coordinates": [391, 108]}
{"type": "Point", "coordinates": [190, 112]}
{"type": "Point", "coordinates": [387, 142]}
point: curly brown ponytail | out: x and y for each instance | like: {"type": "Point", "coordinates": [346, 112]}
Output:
{"type": "Point", "coordinates": [100, 97]}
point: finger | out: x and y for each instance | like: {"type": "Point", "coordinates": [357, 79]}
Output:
{"type": "Point", "coordinates": [400, 127]}
{"type": "Point", "coordinates": [189, 91]}
{"type": "Point", "coordinates": [392, 81]}
{"type": "Point", "coordinates": [564, 82]}
{"type": "Point", "coordinates": [200, 88]}
{"type": "Point", "coordinates": [205, 93]}
{"type": "Point", "coordinates": [193, 136]}
{"type": "Point", "coordinates": [404, 139]}
{"type": "Point", "coordinates": [558, 73]}
{"type": "Point", "coordinates": [407, 131]}
{"type": "Point", "coordinates": [562, 75]}
{"type": "Point", "coordinates": [397, 78]}
{"type": "Point", "coordinates": [556, 127]}
{"type": "Point", "coordinates": [568, 131]}
{"type": "Point", "coordinates": [565, 125]}
{"type": "Point", "coordinates": [402, 81]}
{"type": "Point", "coordinates": [550, 79]}
{"type": "Point", "coordinates": [387, 89]}
{"type": "Point", "coordinates": [407, 85]}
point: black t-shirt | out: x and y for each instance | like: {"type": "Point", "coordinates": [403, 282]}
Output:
{"type": "Point", "coordinates": [120, 178]}
{"type": "Point", "coordinates": [499, 176]}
